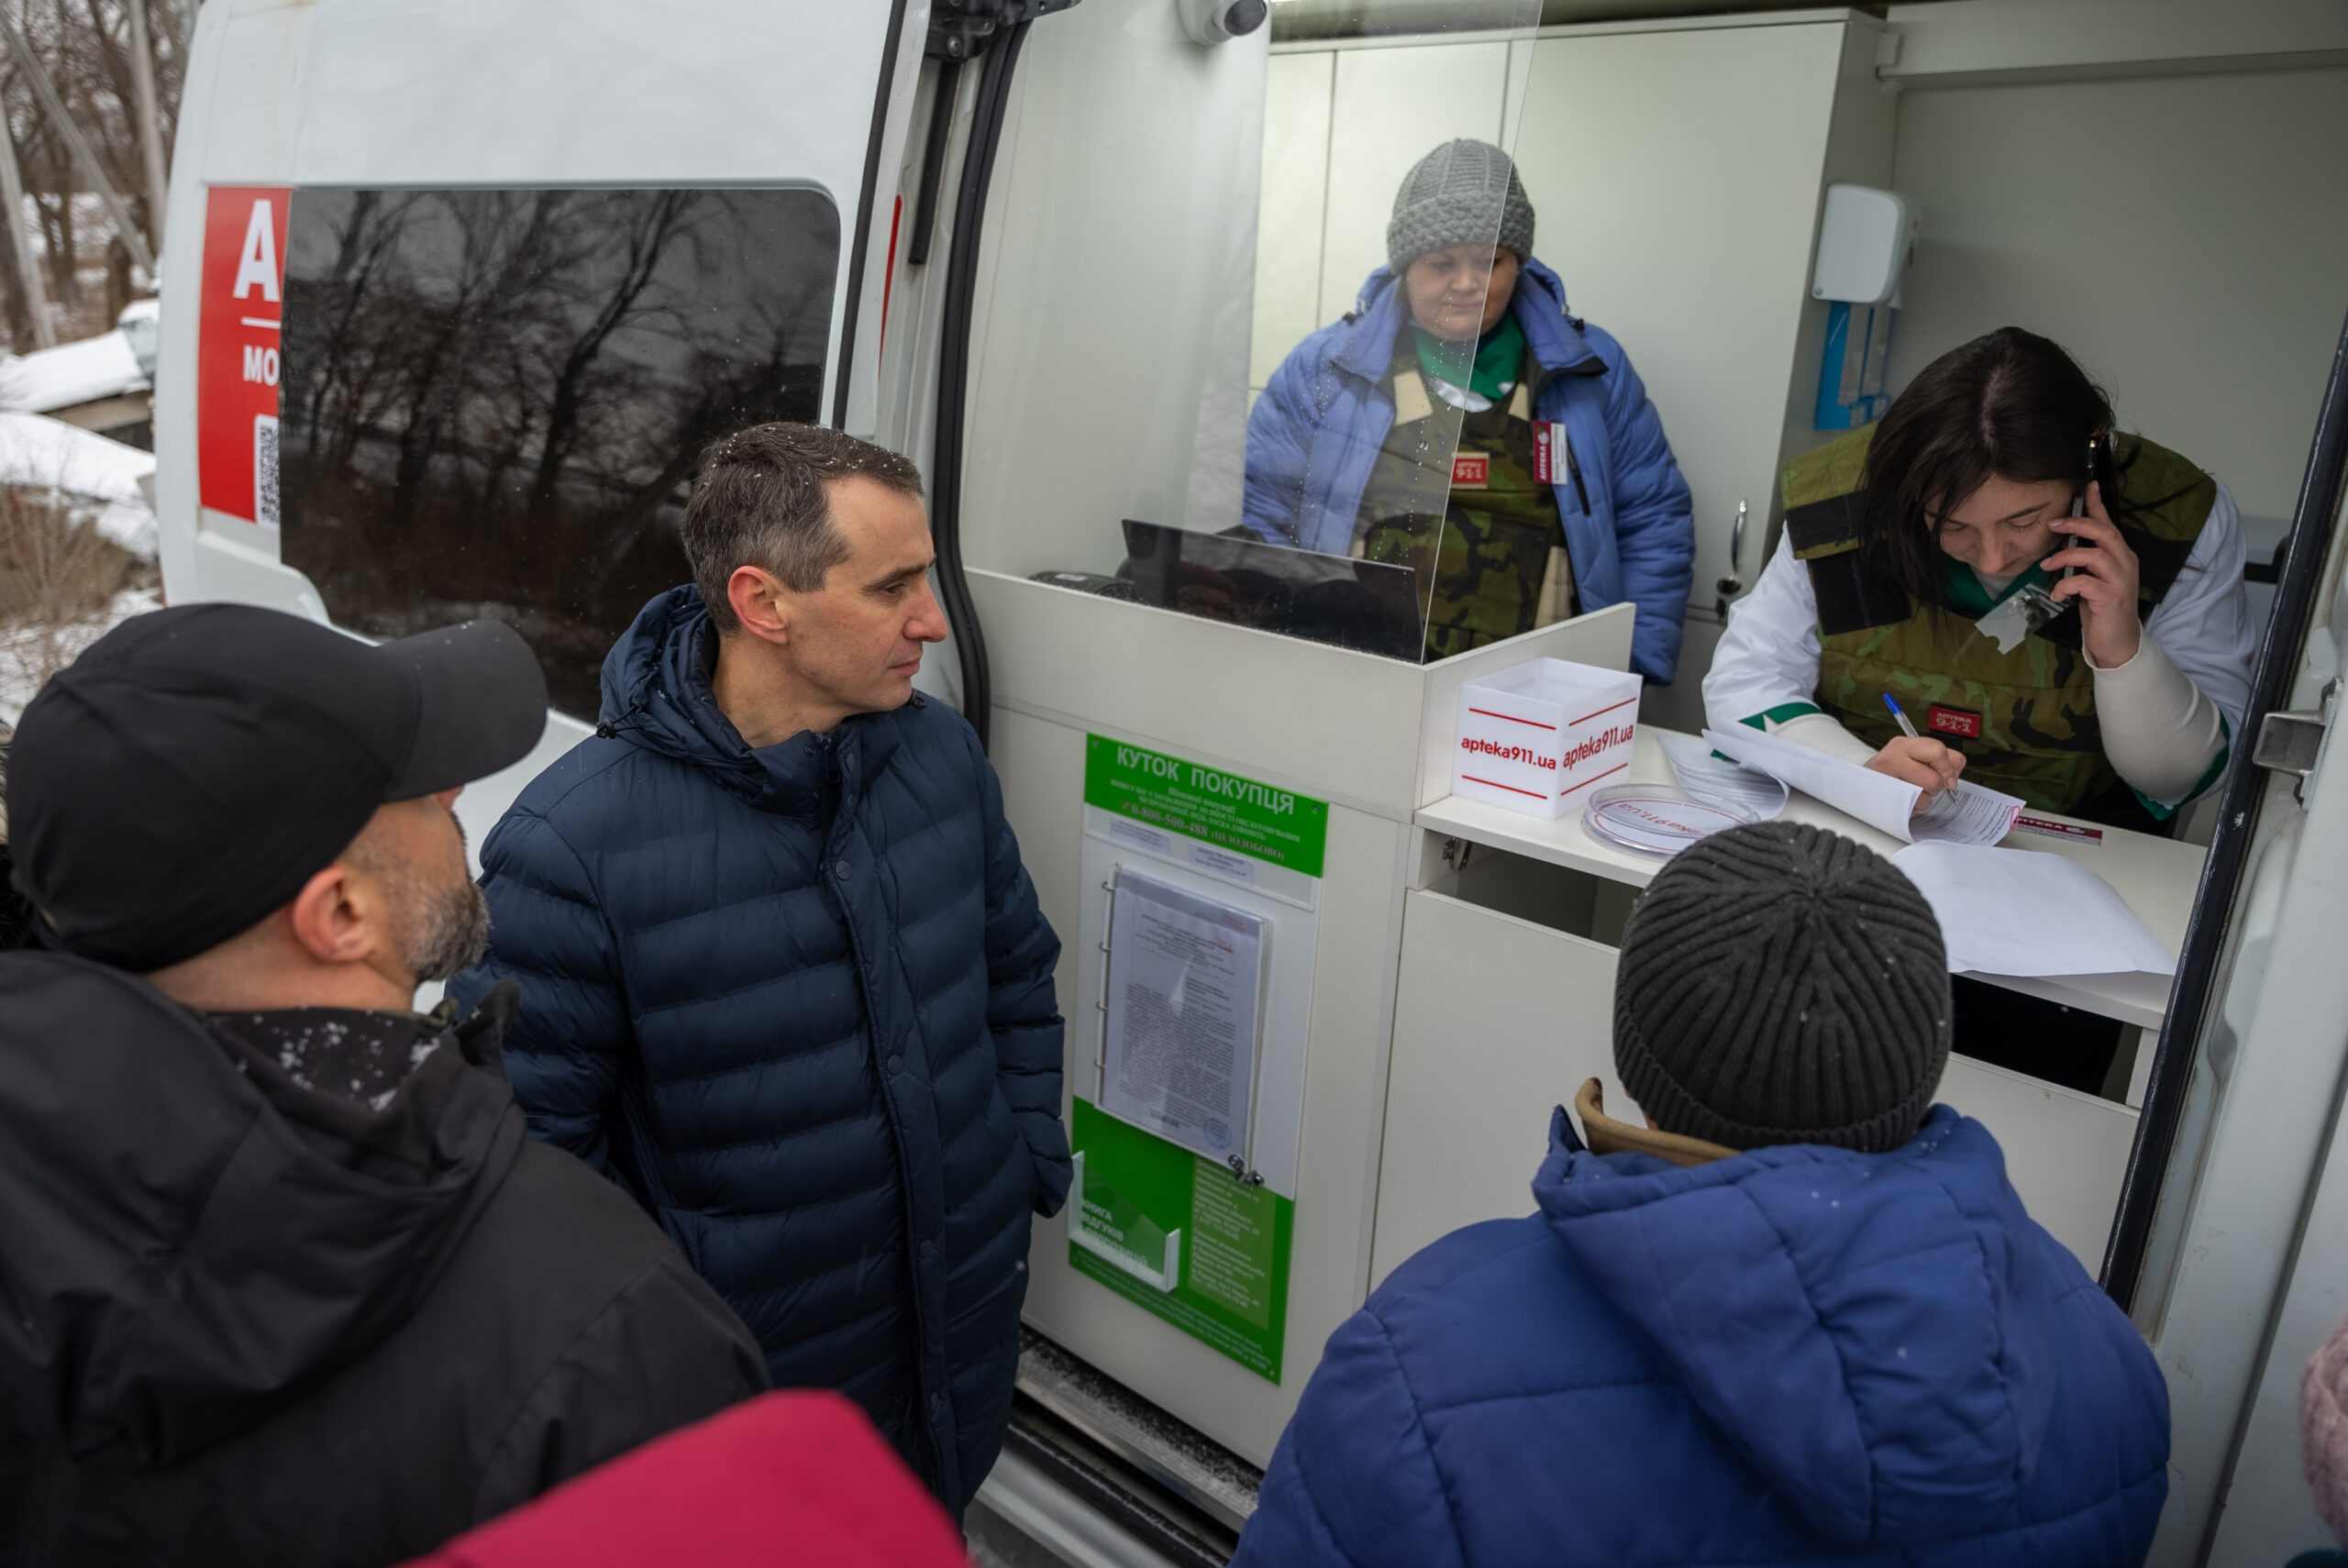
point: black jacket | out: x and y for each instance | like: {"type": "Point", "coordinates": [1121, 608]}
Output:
{"type": "Point", "coordinates": [246, 1325]}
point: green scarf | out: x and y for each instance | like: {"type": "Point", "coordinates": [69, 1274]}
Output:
{"type": "Point", "coordinates": [1500, 357]}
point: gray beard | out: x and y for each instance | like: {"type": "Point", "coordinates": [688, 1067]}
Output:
{"type": "Point", "coordinates": [447, 934]}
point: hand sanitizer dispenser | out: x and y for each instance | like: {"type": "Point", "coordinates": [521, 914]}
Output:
{"type": "Point", "coordinates": [1865, 241]}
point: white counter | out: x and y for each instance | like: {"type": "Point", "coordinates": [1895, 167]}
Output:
{"type": "Point", "coordinates": [2156, 877]}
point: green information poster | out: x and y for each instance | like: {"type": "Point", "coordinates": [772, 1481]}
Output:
{"type": "Point", "coordinates": [1177, 1235]}
{"type": "Point", "coordinates": [1221, 809]}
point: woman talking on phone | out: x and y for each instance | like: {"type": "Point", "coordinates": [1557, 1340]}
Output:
{"type": "Point", "coordinates": [2059, 606]}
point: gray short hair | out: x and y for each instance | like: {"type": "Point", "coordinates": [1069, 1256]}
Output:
{"type": "Point", "coordinates": [760, 501]}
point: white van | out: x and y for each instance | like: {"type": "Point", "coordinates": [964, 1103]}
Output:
{"type": "Point", "coordinates": [479, 278]}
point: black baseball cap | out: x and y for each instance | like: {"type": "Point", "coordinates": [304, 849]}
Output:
{"type": "Point", "coordinates": [186, 776]}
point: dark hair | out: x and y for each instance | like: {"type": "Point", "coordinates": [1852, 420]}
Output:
{"type": "Point", "coordinates": [2009, 406]}
{"type": "Point", "coordinates": [760, 501]}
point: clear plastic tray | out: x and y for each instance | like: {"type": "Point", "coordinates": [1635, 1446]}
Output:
{"type": "Point", "coordinates": [1658, 819]}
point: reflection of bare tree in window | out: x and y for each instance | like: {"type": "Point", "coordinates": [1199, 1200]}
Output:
{"type": "Point", "coordinates": [492, 397]}
{"type": "Point", "coordinates": [643, 244]}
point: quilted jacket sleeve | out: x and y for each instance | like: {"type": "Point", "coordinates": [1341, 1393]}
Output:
{"type": "Point", "coordinates": [1023, 1014]}
{"type": "Point", "coordinates": [564, 1047]}
{"type": "Point", "coordinates": [1655, 528]}
{"type": "Point", "coordinates": [1279, 433]}
{"type": "Point", "coordinates": [1353, 1484]}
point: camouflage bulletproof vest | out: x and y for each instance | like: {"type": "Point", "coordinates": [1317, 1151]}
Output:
{"type": "Point", "coordinates": [1499, 566]}
{"type": "Point", "coordinates": [2024, 720]}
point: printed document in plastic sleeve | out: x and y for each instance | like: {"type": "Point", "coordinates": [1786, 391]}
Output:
{"type": "Point", "coordinates": [1966, 814]}
{"type": "Point", "coordinates": [1185, 993]}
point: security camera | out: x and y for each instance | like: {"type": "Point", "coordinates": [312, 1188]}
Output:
{"type": "Point", "coordinates": [1220, 21]}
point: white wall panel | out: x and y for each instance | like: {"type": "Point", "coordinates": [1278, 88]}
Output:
{"type": "Point", "coordinates": [1293, 203]}
{"type": "Point", "coordinates": [2186, 237]}
{"type": "Point", "coordinates": [1479, 1064]}
{"type": "Point", "coordinates": [1676, 180]}
{"type": "Point", "coordinates": [1392, 107]}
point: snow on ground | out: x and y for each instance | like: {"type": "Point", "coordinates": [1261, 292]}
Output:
{"type": "Point", "coordinates": [38, 453]}
{"type": "Point", "coordinates": [28, 654]}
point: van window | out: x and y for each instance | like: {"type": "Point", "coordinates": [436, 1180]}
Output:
{"type": "Point", "coordinates": [493, 400]}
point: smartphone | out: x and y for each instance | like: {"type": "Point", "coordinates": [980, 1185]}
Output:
{"type": "Point", "coordinates": [2099, 471]}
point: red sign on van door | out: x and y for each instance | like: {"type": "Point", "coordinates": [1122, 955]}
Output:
{"type": "Point", "coordinates": [239, 352]}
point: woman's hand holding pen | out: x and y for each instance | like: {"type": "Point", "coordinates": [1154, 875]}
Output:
{"type": "Point", "coordinates": [1913, 759]}
{"type": "Point", "coordinates": [1921, 761]}
{"type": "Point", "coordinates": [2104, 582]}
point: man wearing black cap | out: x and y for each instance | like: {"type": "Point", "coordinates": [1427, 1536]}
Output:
{"type": "Point", "coordinates": [287, 1282]}
{"type": "Point", "coordinates": [1799, 1317]}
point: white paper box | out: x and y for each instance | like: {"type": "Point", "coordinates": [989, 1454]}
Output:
{"type": "Point", "coordinates": [1536, 736]}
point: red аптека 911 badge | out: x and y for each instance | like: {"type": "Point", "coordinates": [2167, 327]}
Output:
{"type": "Point", "coordinates": [1952, 721]}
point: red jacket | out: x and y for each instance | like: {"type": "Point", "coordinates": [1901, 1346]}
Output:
{"type": "Point", "coordinates": [797, 1476]}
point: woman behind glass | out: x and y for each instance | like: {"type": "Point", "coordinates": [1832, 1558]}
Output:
{"type": "Point", "coordinates": [1458, 421]}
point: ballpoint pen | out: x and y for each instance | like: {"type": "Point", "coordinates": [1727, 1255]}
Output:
{"type": "Point", "coordinates": [1900, 717]}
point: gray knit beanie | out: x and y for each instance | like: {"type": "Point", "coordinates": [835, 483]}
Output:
{"type": "Point", "coordinates": [1779, 984]}
{"type": "Point", "coordinates": [1464, 193]}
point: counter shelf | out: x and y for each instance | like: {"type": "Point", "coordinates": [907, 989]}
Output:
{"type": "Point", "coordinates": [1509, 946]}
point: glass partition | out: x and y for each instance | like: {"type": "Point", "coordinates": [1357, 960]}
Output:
{"type": "Point", "coordinates": [493, 400]}
{"type": "Point", "coordinates": [1271, 299]}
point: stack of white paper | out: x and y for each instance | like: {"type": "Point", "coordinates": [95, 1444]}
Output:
{"type": "Point", "coordinates": [1966, 814]}
{"type": "Point", "coordinates": [2016, 911]}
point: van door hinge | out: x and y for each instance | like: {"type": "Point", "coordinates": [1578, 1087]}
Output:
{"type": "Point", "coordinates": [962, 29]}
{"type": "Point", "coordinates": [2289, 741]}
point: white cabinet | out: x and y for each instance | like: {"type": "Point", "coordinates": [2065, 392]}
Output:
{"type": "Point", "coordinates": [1497, 1022]}
{"type": "Point", "coordinates": [1499, 1019]}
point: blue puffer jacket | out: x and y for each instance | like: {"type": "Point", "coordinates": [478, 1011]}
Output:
{"type": "Point", "coordinates": [798, 1000]}
{"type": "Point", "coordinates": [1314, 437]}
{"type": "Point", "coordinates": [1799, 1355]}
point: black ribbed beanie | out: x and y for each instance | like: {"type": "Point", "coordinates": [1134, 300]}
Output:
{"type": "Point", "coordinates": [1780, 984]}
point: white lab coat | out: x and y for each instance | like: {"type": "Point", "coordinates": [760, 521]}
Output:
{"type": "Point", "coordinates": [1768, 655]}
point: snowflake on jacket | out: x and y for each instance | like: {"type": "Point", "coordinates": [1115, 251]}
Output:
{"type": "Point", "coordinates": [798, 1000]}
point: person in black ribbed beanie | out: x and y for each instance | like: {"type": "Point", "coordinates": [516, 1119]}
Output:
{"type": "Point", "coordinates": [1779, 984]}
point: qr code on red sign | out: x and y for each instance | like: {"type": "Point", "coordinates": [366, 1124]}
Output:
{"type": "Point", "coordinates": [265, 470]}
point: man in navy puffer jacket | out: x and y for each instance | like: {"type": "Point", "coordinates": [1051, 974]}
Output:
{"type": "Point", "coordinates": [788, 981]}
{"type": "Point", "coordinates": [1800, 1318]}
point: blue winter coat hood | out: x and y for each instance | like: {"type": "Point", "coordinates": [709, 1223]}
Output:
{"type": "Point", "coordinates": [656, 686]}
{"type": "Point", "coordinates": [1880, 1352]}
{"type": "Point", "coordinates": [1797, 1355]}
